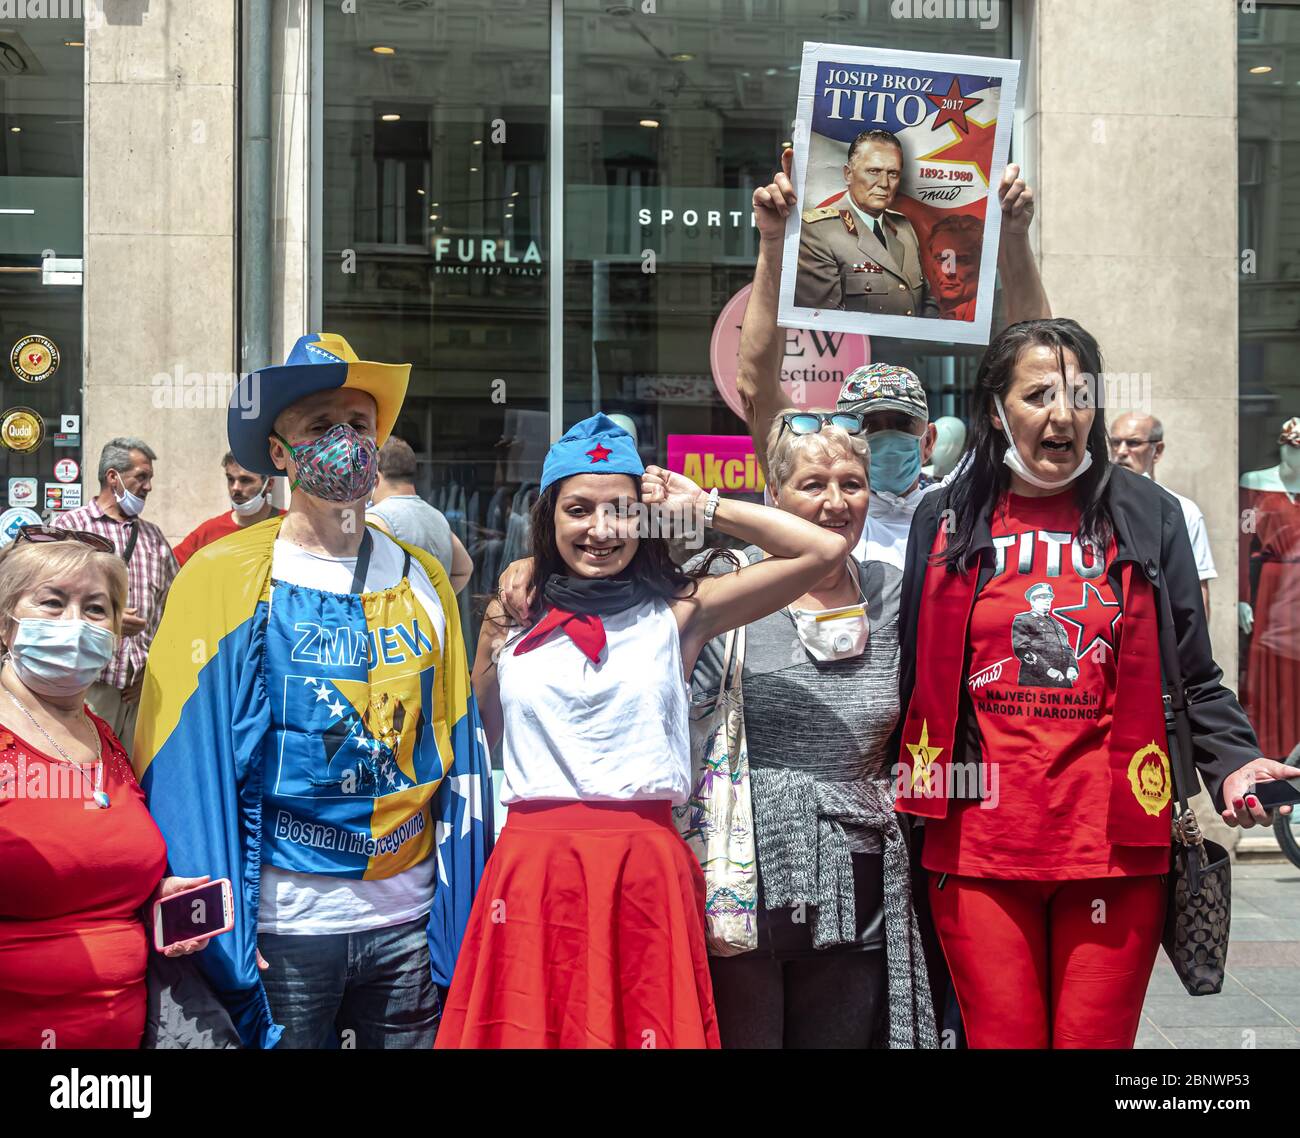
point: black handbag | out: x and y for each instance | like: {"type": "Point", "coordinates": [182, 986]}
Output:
{"type": "Point", "coordinates": [1198, 916]}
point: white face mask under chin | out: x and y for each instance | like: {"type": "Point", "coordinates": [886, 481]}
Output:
{"type": "Point", "coordinates": [131, 504]}
{"type": "Point", "coordinates": [255, 503]}
{"type": "Point", "coordinates": [833, 634]}
{"type": "Point", "coordinates": [1016, 462]}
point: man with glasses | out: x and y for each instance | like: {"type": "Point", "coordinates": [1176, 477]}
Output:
{"type": "Point", "coordinates": [1137, 441]}
{"type": "Point", "coordinates": [125, 482]}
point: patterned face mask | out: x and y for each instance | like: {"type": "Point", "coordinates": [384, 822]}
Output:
{"type": "Point", "coordinates": [340, 466]}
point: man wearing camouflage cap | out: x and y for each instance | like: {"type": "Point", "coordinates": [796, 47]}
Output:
{"type": "Point", "coordinates": [901, 438]}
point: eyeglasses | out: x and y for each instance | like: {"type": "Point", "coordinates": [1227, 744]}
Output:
{"type": "Point", "coordinates": [38, 534]}
{"type": "Point", "coordinates": [810, 422]}
{"type": "Point", "coordinates": [1132, 444]}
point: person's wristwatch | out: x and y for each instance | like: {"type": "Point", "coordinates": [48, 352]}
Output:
{"type": "Point", "coordinates": [710, 508]}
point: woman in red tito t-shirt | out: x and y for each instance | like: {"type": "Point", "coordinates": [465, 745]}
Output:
{"type": "Point", "coordinates": [81, 856]}
{"type": "Point", "coordinates": [1045, 874]}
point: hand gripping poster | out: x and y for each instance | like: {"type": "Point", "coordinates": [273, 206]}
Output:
{"type": "Point", "coordinates": [897, 159]}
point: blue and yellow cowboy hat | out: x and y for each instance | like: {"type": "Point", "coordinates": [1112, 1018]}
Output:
{"type": "Point", "coordinates": [320, 361]}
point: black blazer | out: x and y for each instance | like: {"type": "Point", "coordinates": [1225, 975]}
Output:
{"type": "Point", "coordinates": [1149, 530]}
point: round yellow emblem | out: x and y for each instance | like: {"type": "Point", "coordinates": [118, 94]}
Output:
{"type": "Point", "coordinates": [34, 359]}
{"type": "Point", "coordinates": [22, 429]}
{"type": "Point", "coordinates": [1148, 775]}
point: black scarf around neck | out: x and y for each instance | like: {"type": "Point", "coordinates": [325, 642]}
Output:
{"type": "Point", "coordinates": [595, 596]}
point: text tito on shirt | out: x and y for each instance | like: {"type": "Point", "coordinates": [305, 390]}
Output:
{"type": "Point", "coordinates": [301, 801]}
{"type": "Point", "coordinates": [1043, 638]}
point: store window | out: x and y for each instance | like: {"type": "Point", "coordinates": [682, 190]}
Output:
{"type": "Point", "coordinates": [42, 64]}
{"type": "Point", "coordinates": [435, 250]}
{"type": "Point", "coordinates": [1269, 408]}
{"type": "Point", "coordinates": [437, 162]}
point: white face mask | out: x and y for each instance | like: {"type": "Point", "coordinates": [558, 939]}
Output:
{"type": "Point", "coordinates": [1017, 463]}
{"type": "Point", "coordinates": [60, 657]}
{"type": "Point", "coordinates": [132, 505]}
{"type": "Point", "coordinates": [833, 634]}
{"type": "Point", "coordinates": [255, 503]}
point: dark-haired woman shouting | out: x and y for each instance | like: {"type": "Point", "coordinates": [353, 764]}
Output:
{"type": "Point", "coordinates": [1034, 739]}
{"type": "Point", "coordinates": [588, 926]}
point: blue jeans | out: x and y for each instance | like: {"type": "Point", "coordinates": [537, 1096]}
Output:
{"type": "Point", "coordinates": [369, 990]}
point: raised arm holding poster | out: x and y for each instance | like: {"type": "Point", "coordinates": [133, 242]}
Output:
{"type": "Point", "coordinates": [896, 155]}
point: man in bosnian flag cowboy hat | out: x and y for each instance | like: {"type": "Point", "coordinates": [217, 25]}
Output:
{"type": "Point", "coordinates": [308, 730]}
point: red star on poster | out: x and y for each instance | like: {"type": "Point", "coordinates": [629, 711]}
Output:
{"type": "Point", "coordinates": [953, 107]}
{"type": "Point", "coordinates": [975, 147]}
{"type": "Point", "coordinates": [599, 453]}
{"type": "Point", "coordinates": [1091, 621]}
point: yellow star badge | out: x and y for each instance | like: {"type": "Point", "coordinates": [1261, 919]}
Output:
{"type": "Point", "coordinates": [923, 755]}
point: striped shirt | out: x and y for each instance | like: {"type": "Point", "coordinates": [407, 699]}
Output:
{"type": "Point", "coordinates": [149, 575]}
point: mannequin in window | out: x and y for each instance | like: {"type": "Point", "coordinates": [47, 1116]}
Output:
{"type": "Point", "coordinates": [949, 444]}
{"type": "Point", "coordinates": [1269, 605]}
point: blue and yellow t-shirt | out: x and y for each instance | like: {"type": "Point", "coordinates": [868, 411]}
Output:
{"type": "Point", "coordinates": [354, 754]}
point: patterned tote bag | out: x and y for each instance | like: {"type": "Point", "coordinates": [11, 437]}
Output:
{"type": "Point", "coordinates": [717, 821]}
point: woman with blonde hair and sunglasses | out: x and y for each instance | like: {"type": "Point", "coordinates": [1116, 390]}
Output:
{"type": "Point", "coordinates": [81, 854]}
{"type": "Point", "coordinates": [838, 945]}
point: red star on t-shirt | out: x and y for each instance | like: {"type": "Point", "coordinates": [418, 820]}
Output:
{"type": "Point", "coordinates": [1092, 621]}
{"type": "Point", "coordinates": [599, 453]}
{"type": "Point", "coordinates": [953, 114]}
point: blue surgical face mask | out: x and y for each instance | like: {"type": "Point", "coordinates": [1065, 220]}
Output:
{"type": "Point", "coordinates": [130, 503]}
{"type": "Point", "coordinates": [60, 657]}
{"type": "Point", "coordinates": [895, 461]}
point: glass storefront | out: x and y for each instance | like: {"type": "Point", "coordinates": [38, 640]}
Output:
{"type": "Point", "coordinates": [1269, 545]}
{"type": "Point", "coordinates": [434, 227]}
{"type": "Point", "coordinates": [41, 96]}
{"type": "Point", "coordinates": [437, 204]}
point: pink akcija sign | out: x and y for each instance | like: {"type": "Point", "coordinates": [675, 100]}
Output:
{"type": "Point", "coordinates": [816, 361]}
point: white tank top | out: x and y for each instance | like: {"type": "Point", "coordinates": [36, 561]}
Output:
{"type": "Point", "coordinates": [613, 731]}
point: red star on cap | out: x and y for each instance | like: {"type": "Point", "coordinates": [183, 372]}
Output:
{"type": "Point", "coordinates": [599, 453]}
{"type": "Point", "coordinates": [953, 114]}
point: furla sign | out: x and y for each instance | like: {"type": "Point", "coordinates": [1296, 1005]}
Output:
{"type": "Point", "coordinates": [486, 255]}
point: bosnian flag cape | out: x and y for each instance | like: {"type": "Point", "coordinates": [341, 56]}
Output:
{"type": "Point", "coordinates": [201, 749]}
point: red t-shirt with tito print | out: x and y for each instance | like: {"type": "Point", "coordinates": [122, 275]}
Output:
{"type": "Point", "coordinates": [1041, 677]}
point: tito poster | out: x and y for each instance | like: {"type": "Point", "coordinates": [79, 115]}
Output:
{"type": "Point", "coordinates": [897, 159]}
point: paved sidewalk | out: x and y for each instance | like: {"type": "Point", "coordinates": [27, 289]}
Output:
{"type": "Point", "coordinates": [1260, 1002]}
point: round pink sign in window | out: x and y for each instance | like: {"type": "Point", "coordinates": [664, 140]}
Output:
{"type": "Point", "coordinates": [815, 365]}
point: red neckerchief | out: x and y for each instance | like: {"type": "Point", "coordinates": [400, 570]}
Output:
{"type": "Point", "coordinates": [1139, 813]}
{"type": "Point", "coordinates": [587, 632]}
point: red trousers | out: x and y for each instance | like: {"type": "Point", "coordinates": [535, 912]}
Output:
{"type": "Point", "coordinates": [1040, 964]}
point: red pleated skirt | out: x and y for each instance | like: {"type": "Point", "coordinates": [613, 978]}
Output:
{"type": "Point", "coordinates": [587, 931]}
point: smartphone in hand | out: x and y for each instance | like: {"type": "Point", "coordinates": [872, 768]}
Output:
{"type": "Point", "coordinates": [196, 914]}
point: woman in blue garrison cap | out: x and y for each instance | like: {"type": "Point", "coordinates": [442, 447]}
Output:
{"type": "Point", "coordinates": [588, 927]}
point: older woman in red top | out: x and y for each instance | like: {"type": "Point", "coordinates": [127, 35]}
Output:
{"type": "Point", "coordinates": [81, 854]}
